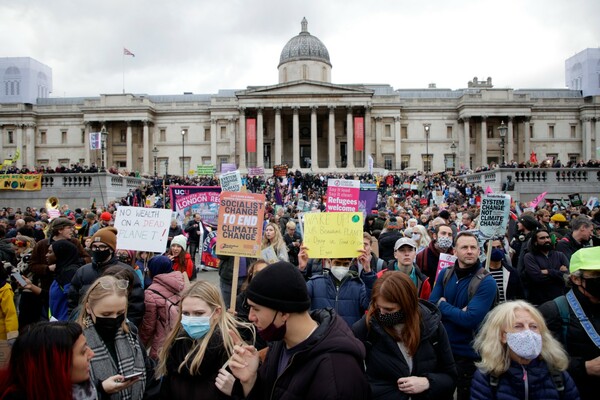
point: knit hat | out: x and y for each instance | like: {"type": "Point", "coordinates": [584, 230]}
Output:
{"type": "Point", "coordinates": [444, 214]}
{"type": "Point", "coordinates": [558, 217]}
{"type": "Point", "coordinates": [107, 235]}
{"type": "Point", "coordinates": [106, 216]}
{"type": "Point", "coordinates": [180, 240]}
{"type": "Point", "coordinates": [529, 222]}
{"type": "Point", "coordinates": [281, 287]}
{"type": "Point", "coordinates": [587, 258]}
{"type": "Point", "coordinates": [160, 265]}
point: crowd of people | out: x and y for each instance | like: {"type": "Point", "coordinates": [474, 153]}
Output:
{"type": "Point", "coordinates": [511, 317]}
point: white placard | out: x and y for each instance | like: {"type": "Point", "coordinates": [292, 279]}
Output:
{"type": "Point", "coordinates": [493, 216]}
{"type": "Point", "coordinates": [142, 229]}
{"type": "Point", "coordinates": [231, 181]}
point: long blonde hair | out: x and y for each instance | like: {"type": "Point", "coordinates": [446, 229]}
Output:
{"type": "Point", "coordinates": [225, 322]}
{"type": "Point", "coordinates": [277, 241]}
{"type": "Point", "coordinates": [495, 357]}
{"type": "Point", "coordinates": [424, 240]}
{"type": "Point", "coordinates": [96, 292]}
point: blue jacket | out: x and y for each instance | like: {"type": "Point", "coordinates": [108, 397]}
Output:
{"type": "Point", "coordinates": [59, 304]}
{"type": "Point", "coordinates": [350, 300]}
{"type": "Point", "coordinates": [460, 324]}
{"type": "Point", "coordinates": [511, 384]}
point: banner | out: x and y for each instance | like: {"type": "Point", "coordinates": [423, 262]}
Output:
{"type": "Point", "coordinates": [256, 171]}
{"type": "Point", "coordinates": [142, 229]}
{"type": "Point", "coordinates": [493, 216]}
{"type": "Point", "coordinates": [359, 133]}
{"type": "Point", "coordinates": [333, 235]}
{"type": "Point", "coordinates": [241, 217]}
{"type": "Point", "coordinates": [28, 182]}
{"type": "Point", "coordinates": [204, 200]}
{"type": "Point", "coordinates": [231, 181]}
{"type": "Point", "coordinates": [280, 170]}
{"type": "Point", "coordinates": [95, 141]}
{"type": "Point", "coordinates": [209, 258]}
{"type": "Point", "coordinates": [251, 135]}
{"type": "Point", "coordinates": [205, 170]}
{"type": "Point", "coordinates": [367, 200]}
{"type": "Point", "coordinates": [342, 195]}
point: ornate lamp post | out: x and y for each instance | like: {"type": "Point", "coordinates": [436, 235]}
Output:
{"type": "Point", "coordinates": [155, 153]}
{"type": "Point", "coordinates": [103, 138]}
{"type": "Point", "coordinates": [502, 129]}
{"type": "Point", "coordinates": [427, 128]}
{"type": "Point", "coordinates": [453, 148]}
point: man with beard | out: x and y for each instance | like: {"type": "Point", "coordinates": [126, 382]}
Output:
{"type": "Point", "coordinates": [428, 259]}
{"type": "Point", "coordinates": [544, 269]}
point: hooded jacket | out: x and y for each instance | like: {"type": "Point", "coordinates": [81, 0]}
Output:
{"type": "Point", "coordinates": [9, 326]}
{"type": "Point", "coordinates": [432, 360]}
{"type": "Point", "coordinates": [67, 263]}
{"type": "Point", "coordinates": [160, 298]}
{"type": "Point", "coordinates": [327, 365]}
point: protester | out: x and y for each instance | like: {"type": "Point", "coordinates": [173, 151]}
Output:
{"type": "Point", "coordinates": [63, 259]}
{"type": "Point", "coordinates": [105, 221]}
{"type": "Point", "coordinates": [405, 252]}
{"type": "Point", "coordinates": [195, 230]}
{"type": "Point", "coordinates": [428, 259]}
{"type": "Point", "coordinates": [389, 236]}
{"type": "Point", "coordinates": [368, 256]}
{"type": "Point", "coordinates": [241, 305]}
{"type": "Point", "coordinates": [579, 237]}
{"type": "Point", "coordinates": [226, 275]}
{"type": "Point", "coordinates": [9, 322]}
{"type": "Point", "coordinates": [175, 230]}
{"type": "Point", "coordinates": [506, 277]}
{"type": "Point", "coordinates": [293, 241]}
{"type": "Point", "coordinates": [273, 243]}
{"type": "Point", "coordinates": [182, 260]}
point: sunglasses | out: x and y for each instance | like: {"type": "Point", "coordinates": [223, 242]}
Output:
{"type": "Point", "coordinates": [120, 283]}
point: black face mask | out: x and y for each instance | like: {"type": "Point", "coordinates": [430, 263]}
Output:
{"type": "Point", "coordinates": [108, 327]}
{"type": "Point", "coordinates": [124, 258]}
{"type": "Point", "coordinates": [100, 256]}
{"type": "Point", "coordinates": [390, 319]}
{"type": "Point", "coordinates": [592, 286]}
{"type": "Point", "coordinates": [272, 333]}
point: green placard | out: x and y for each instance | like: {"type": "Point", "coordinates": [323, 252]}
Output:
{"type": "Point", "coordinates": [205, 170]}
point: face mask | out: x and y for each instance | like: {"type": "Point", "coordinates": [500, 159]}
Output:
{"type": "Point", "coordinates": [100, 256]}
{"type": "Point", "coordinates": [272, 333]}
{"type": "Point", "coordinates": [551, 225]}
{"type": "Point", "coordinates": [340, 272]}
{"type": "Point", "coordinates": [390, 319]}
{"type": "Point", "coordinates": [526, 344]}
{"type": "Point", "coordinates": [592, 286]}
{"type": "Point", "coordinates": [416, 237]}
{"type": "Point", "coordinates": [108, 327]}
{"type": "Point", "coordinates": [444, 242]}
{"type": "Point", "coordinates": [497, 255]}
{"type": "Point", "coordinates": [196, 327]}
{"type": "Point", "coordinates": [124, 258]}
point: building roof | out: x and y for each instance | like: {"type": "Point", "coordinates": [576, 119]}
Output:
{"type": "Point", "coordinates": [304, 47]}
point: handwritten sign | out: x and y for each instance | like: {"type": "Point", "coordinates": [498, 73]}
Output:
{"type": "Point", "coordinates": [280, 170]}
{"type": "Point", "coordinates": [342, 195]}
{"type": "Point", "coordinates": [143, 229]}
{"type": "Point", "coordinates": [493, 216]}
{"type": "Point", "coordinates": [333, 235]}
{"type": "Point", "coordinates": [205, 170]}
{"type": "Point", "coordinates": [240, 224]}
{"type": "Point", "coordinates": [231, 181]}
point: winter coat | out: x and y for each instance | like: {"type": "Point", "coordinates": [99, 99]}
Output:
{"type": "Point", "coordinates": [578, 345]}
{"type": "Point", "coordinates": [67, 263]}
{"type": "Point", "coordinates": [568, 245]}
{"type": "Point", "coordinates": [327, 365]}
{"type": "Point", "coordinates": [160, 308]}
{"type": "Point", "coordinates": [428, 260]}
{"type": "Point", "coordinates": [385, 362]}
{"type": "Point", "coordinates": [513, 288]}
{"type": "Point", "coordinates": [511, 384]}
{"type": "Point", "coordinates": [544, 287]}
{"type": "Point", "coordinates": [188, 268]}
{"type": "Point", "coordinates": [87, 274]}
{"type": "Point", "coordinates": [387, 240]}
{"type": "Point", "coordinates": [350, 300]}
{"type": "Point", "coordinates": [422, 281]}
{"type": "Point", "coordinates": [9, 324]}
{"type": "Point", "coordinates": [460, 324]}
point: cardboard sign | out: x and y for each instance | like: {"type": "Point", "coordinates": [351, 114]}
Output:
{"type": "Point", "coordinates": [446, 260]}
{"type": "Point", "coordinates": [231, 181]}
{"type": "Point", "coordinates": [494, 214]}
{"type": "Point", "coordinates": [240, 224]}
{"type": "Point", "coordinates": [333, 235]}
{"type": "Point", "coordinates": [143, 229]}
{"type": "Point", "coordinates": [342, 195]}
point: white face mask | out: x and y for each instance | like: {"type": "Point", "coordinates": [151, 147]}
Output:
{"type": "Point", "coordinates": [416, 237]}
{"type": "Point", "coordinates": [526, 344]}
{"type": "Point", "coordinates": [340, 272]}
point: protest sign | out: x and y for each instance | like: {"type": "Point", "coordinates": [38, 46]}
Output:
{"type": "Point", "coordinates": [333, 235]}
{"type": "Point", "coordinates": [367, 197]}
{"type": "Point", "coordinates": [204, 200]}
{"type": "Point", "coordinates": [205, 170]}
{"type": "Point", "coordinates": [241, 218]}
{"type": "Point", "coordinates": [228, 167]}
{"type": "Point", "coordinates": [21, 182]}
{"type": "Point", "coordinates": [143, 229]}
{"type": "Point", "coordinates": [280, 170]}
{"type": "Point", "coordinates": [231, 181]}
{"type": "Point", "coordinates": [493, 216]}
{"type": "Point", "coordinates": [446, 260]}
{"type": "Point", "coordinates": [342, 195]}
{"type": "Point", "coordinates": [256, 171]}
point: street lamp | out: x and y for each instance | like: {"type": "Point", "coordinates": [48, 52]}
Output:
{"type": "Point", "coordinates": [103, 137]}
{"type": "Point", "coordinates": [183, 152]}
{"type": "Point", "coordinates": [453, 148]}
{"type": "Point", "coordinates": [155, 153]}
{"type": "Point", "coordinates": [502, 129]}
{"type": "Point", "coordinates": [427, 127]}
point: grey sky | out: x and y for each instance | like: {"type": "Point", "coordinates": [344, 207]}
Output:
{"type": "Point", "coordinates": [202, 46]}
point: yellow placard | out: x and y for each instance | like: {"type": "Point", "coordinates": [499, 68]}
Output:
{"type": "Point", "coordinates": [333, 235]}
{"type": "Point", "coordinates": [21, 182]}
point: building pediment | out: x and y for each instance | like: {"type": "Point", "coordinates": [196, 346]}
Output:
{"type": "Point", "coordinates": [304, 88]}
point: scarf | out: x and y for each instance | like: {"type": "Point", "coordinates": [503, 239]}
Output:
{"type": "Point", "coordinates": [130, 360]}
{"type": "Point", "coordinates": [85, 391]}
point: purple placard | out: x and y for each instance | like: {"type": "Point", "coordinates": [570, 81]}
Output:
{"type": "Point", "coordinates": [228, 167]}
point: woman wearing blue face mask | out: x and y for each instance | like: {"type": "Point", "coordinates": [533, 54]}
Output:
{"type": "Point", "coordinates": [192, 359]}
{"type": "Point", "coordinates": [520, 359]}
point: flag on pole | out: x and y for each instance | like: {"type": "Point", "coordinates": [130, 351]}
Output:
{"type": "Point", "coordinates": [127, 52]}
{"type": "Point", "coordinates": [537, 200]}
{"type": "Point", "coordinates": [488, 190]}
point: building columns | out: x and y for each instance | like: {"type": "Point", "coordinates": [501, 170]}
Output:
{"type": "Point", "coordinates": [231, 136]}
{"type": "Point", "coordinates": [129, 146]}
{"type": "Point", "coordinates": [378, 124]}
{"type": "Point", "coordinates": [314, 155]}
{"type": "Point", "coordinates": [596, 150]}
{"type": "Point", "coordinates": [213, 144]}
{"type": "Point", "coordinates": [510, 145]}
{"type": "Point", "coordinates": [296, 139]}
{"type": "Point", "coordinates": [30, 139]}
{"type": "Point", "coordinates": [242, 140]}
{"type": "Point", "coordinates": [260, 148]}
{"type": "Point", "coordinates": [331, 138]}
{"type": "Point", "coordinates": [397, 144]}
{"type": "Point", "coordinates": [367, 135]}
{"type": "Point", "coordinates": [466, 143]}
{"type": "Point", "coordinates": [526, 139]}
{"type": "Point", "coordinates": [483, 139]}
{"type": "Point", "coordinates": [278, 143]}
{"type": "Point", "coordinates": [19, 145]}
{"type": "Point", "coordinates": [349, 139]}
{"type": "Point", "coordinates": [146, 148]}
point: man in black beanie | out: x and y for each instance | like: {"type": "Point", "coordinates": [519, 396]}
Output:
{"type": "Point", "coordinates": [302, 345]}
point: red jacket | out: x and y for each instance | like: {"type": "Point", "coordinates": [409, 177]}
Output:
{"type": "Point", "coordinates": [423, 286]}
{"type": "Point", "coordinates": [189, 265]}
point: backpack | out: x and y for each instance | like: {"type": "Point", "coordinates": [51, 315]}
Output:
{"type": "Point", "coordinates": [565, 315]}
{"type": "Point", "coordinates": [473, 284]}
{"type": "Point", "coordinates": [172, 310]}
{"type": "Point", "coordinates": [557, 378]}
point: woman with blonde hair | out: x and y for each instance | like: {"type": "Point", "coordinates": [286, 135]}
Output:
{"type": "Point", "coordinates": [118, 368]}
{"type": "Point", "coordinates": [273, 246]}
{"type": "Point", "coordinates": [520, 359]}
{"type": "Point", "coordinates": [192, 361]}
{"type": "Point", "coordinates": [421, 237]}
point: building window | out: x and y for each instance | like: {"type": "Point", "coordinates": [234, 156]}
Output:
{"type": "Point", "coordinates": [63, 162]}
{"type": "Point", "coordinates": [207, 134]}
{"type": "Point", "coordinates": [83, 136]}
{"type": "Point", "coordinates": [121, 164]}
{"type": "Point", "coordinates": [551, 131]}
{"type": "Point", "coordinates": [205, 160]}
{"type": "Point", "coordinates": [404, 132]}
{"type": "Point", "coordinates": [324, 74]}
{"type": "Point", "coordinates": [388, 130]}
{"type": "Point", "coordinates": [573, 158]}
{"type": "Point", "coordinates": [551, 156]}
{"type": "Point", "coordinates": [11, 138]}
{"type": "Point", "coordinates": [304, 71]}
{"type": "Point", "coordinates": [427, 160]}
{"type": "Point", "coordinates": [223, 160]}
{"type": "Point", "coordinates": [573, 131]}
{"type": "Point", "coordinates": [42, 137]}
{"type": "Point", "coordinates": [43, 163]}
{"type": "Point", "coordinates": [387, 161]}
{"type": "Point", "coordinates": [449, 160]}
{"type": "Point", "coordinates": [63, 137]}
{"type": "Point", "coordinates": [490, 133]}
{"type": "Point", "coordinates": [123, 136]}
{"type": "Point", "coordinates": [405, 161]}
{"type": "Point", "coordinates": [449, 133]}
{"type": "Point", "coordinates": [162, 136]}
{"type": "Point", "coordinates": [223, 132]}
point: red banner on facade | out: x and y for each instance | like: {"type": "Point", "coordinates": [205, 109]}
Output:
{"type": "Point", "coordinates": [251, 135]}
{"type": "Point", "coordinates": [359, 133]}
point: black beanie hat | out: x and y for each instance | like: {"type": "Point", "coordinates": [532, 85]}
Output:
{"type": "Point", "coordinates": [281, 287]}
{"type": "Point", "coordinates": [529, 222]}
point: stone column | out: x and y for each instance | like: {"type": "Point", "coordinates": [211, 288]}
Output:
{"type": "Point", "coordinates": [397, 143]}
{"type": "Point", "coordinates": [596, 150]}
{"type": "Point", "coordinates": [213, 142]}
{"type": "Point", "coordinates": [129, 146]}
{"type": "Point", "coordinates": [231, 135]}
{"type": "Point", "coordinates": [296, 139]}
{"type": "Point", "coordinates": [314, 155]}
{"type": "Point", "coordinates": [466, 142]}
{"type": "Point", "coordinates": [526, 139]}
{"type": "Point", "coordinates": [349, 139]}
{"type": "Point", "coordinates": [19, 145]}
{"type": "Point", "coordinates": [146, 148]}
{"type": "Point", "coordinates": [260, 148]}
{"type": "Point", "coordinates": [278, 144]}
{"type": "Point", "coordinates": [367, 135]}
{"type": "Point", "coordinates": [331, 138]}
{"type": "Point", "coordinates": [105, 144]}
{"type": "Point", "coordinates": [242, 140]}
{"type": "Point", "coordinates": [30, 138]}
{"type": "Point", "coordinates": [510, 139]}
{"type": "Point", "coordinates": [378, 125]}
{"type": "Point", "coordinates": [586, 151]}
{"type": "Point", "coordinates": [87, 127]}
{"type": "Point", "coordinates": [484, 140]}
{"type": "Point", "coordinates": [2, 144]}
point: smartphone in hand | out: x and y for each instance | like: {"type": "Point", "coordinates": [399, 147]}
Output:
{"type": "Point", "coordinates": [19, 278]}
{"type": "Point", "coordinates": [132, 376]}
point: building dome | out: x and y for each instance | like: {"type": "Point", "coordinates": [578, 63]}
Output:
{"type": "Point", "coordinates": [304, 47]}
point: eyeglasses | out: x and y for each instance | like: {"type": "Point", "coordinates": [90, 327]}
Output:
{"type": "Point", "coordinates": [119, 283]}
{"type": "Point", "coordinates": [101, 247]}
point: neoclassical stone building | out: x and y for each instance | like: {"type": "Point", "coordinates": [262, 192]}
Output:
{"type": "Point", "coordinates": [307, 122]}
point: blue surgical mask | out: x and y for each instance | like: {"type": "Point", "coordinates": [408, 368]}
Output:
{"type": "Point", "coordinates": [196, 327]}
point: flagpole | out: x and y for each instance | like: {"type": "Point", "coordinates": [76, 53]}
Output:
{"type": "Point", "coordinates": [123, 68]}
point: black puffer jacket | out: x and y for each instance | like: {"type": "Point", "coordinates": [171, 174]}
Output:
{"type": "Point", "coordinates": [386, 364]}
{"type": "Point", "coordinates": [328, 365]}
{"type": "Point", "coordinates": [387, 240]}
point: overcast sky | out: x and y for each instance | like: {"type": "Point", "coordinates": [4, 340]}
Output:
{"type": "Point", "coordinates": [202, 46]}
